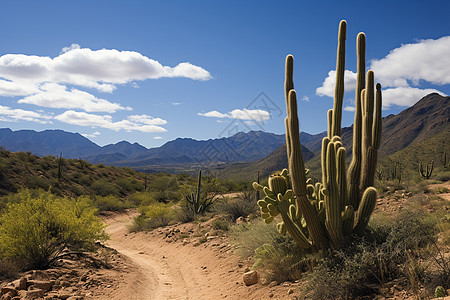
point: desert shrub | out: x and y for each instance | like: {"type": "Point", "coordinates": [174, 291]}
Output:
{"type": "Point", "coordinates": [164, 189]}
{"type": "Point", "coordinates": [152, 216]}
{"type": "Point", "coordinates": [220, 224]}
{"type": "Point", "coordinates": [141, 199]}
{"type": "Point", "coordinates": [236, 208]}
{"type": "Point", "coordinates": [278, 256]}
{"type": "Point", "coordinates": [37, 182]}
{"type": "Point", "coordinates": [103, 187]}
{"type": "Point", "coordinates": [129, 184]}
{"type": "Point", "coordinates": [36, 230]}
{"type": "Point", "coordinates": [108, 203]}
{"type": "Point", "coordinates": [184, 213]}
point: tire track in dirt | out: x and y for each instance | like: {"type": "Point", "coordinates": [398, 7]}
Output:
{"type": "Point", "coordinates": [155, 279]}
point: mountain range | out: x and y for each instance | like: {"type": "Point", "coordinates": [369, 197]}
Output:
{"type": "Point", "coordinates": [240, 153]}
{"type": "Point", "coordinates": [241, 147]}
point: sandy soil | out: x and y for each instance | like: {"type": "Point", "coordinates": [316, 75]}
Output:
{"type": "Point", "coordinates": [165, 268]}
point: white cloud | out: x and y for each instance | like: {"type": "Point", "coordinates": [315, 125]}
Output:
{"type": "Point", "coordinates": [12, 88]}
{"type": "Point", "coordinates": [91, 135]}
{"type": "Point", "coordinates": [405, 96]}
{"type": "Point", "coordinates": [157, 138]}
{"type": "Point", "coordinates": [240, 114]}
{"type": "Point", "coordinates": [145, 119]}
{"type": "Point", "coordinates": [100, 69]}
{"type": "Point", "coordinates": [250, 114]}
{"type": "Point", "coordinates": [402, 71]}
{"type": "Point", "coordinates": [57, 96]}
{"type": "Point", "coordinates": [71, 47]}
{"type": "Point", "coordinates": [40, 79]}
{"type": "Point", "coordinates": [105, 121]}
{"type": "Point", "coordinates": [327, 88]}
{"type": "Point", "coordinates": [214, 114]}
{"type": "Point", "coordinates": [427, 60]}
{"type": "Point", "coordinates": [305, 98]}
{"type": "Point", "coordinates": [350, 108]}
{"type": "Point", "coordinates": [176, 103]}
{"type": "Point", "coordinates": [8, 114]}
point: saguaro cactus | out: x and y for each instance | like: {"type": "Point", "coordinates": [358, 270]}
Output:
{"type": "Point", "coordinates": [321, 215]}
{"type": "Point", "coordinates": [426, 173]}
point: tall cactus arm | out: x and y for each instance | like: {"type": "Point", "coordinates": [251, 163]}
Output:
{"type": "Point", "coordinates": [339, 88]}
{"type": "Point", "coordinates": [354, 170]}
{"type": "Point", "coordinates": [333, 221]}
{"type": "Point", "coordinates": [297, 174]}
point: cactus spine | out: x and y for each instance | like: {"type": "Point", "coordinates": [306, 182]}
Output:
{"type": "Point", "coordinates": [321, 215]}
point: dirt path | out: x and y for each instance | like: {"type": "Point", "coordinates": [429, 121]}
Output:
{"type": "Point", "coordinates": [161, 268]}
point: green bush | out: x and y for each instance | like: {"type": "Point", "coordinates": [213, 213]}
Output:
{"type": "Point", "coordinates": [103, 187]}
{"type": "Point", "coordinates": [278, 256]}
{"type": "Point", "coordinates": [153, 216]}
{"type": "Point", "coordinates": [108, 203]}
{"type": "Point", "coordinates": [36, 230]}
{"type": "Point", "coordinates": [220, 224]}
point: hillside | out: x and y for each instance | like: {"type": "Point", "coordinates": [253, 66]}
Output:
{"type": "Point", "coordinates": [276, 161]}
{"type": "Point", "coordinates": [77, 177]}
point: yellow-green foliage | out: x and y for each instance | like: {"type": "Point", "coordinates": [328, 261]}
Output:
{"type": "Point", "coordinates": [160, 214]}
{"type": "Point", "coordinates": [37, 228]}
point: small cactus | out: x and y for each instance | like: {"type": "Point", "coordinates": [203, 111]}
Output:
{"type": "Point", "coordinates": [426, 173]}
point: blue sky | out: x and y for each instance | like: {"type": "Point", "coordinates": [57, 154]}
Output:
{"type": "Point", "coordinates": [152, 71]}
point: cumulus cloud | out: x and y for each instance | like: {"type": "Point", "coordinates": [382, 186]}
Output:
{"type": "Point", "coordinates": [425, 60]}
{"type": "Point", "coordinates": [405, 96]}
{"type": "Point", "coordinates": [8, 114]}
{"type": "Point", "coordinates": [350, 108]}
{"type": "Point", "coordinates": [145, 119]}
{"type": "Point", "coordinates": [240, 114]}
{"type": "Point", "coordinates": [105, 121]}
{"type": "Point", "coordinates": [214, 114]}
{"type": "Point", "coordinates": [327, 88]}
{"type": "Point", "coordinates": [99, 69]}
{"type": "Point", "coordinates": [41, 80]}
{"type": "Point", "coordinates": [57, 96]}
{"type": "Point", "coordinates": [402, 71]}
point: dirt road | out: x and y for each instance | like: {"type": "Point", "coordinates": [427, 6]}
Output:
{"type": "Point", "coordinates": [178, 269]}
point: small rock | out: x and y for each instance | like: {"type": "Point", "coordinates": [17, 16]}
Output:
{"type": "Point", "coordinates": [240, 220]}
{"type": "Point", "coordinates": [250, 278]}
{"type": "Point", "coordinates": [270, 295]}
{"type": "Point", "coordinates": [41, 284]}
{"type": "Point", "coordinates": [34, 294]}
{"type": "Point", "coordinates": [8, 289]}
{"type": "Point", "coordinates": [290, 291]}
{"type": "Point", "coordinates": [22, 284]}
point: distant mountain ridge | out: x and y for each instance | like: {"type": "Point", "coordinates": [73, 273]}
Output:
{"type": "Point", "coordinates": [241, 147]}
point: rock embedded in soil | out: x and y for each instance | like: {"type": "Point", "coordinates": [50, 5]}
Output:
{"type": "Point", "coordinates": [250, 278]}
